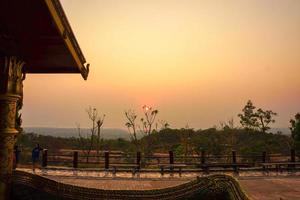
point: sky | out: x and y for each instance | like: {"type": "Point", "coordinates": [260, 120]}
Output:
{"type": "Point", "coordinates": [196, 61]}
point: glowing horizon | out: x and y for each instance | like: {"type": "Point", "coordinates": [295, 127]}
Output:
{"type": "Point", "coordinates": [197, 62]}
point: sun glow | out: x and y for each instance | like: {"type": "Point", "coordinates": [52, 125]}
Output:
{"type": "Point", "coordinates": [146, 108]}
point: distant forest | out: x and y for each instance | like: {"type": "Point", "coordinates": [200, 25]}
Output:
{"type": "Point", "coordinates": [183, 141]}
{"type": "Point", "coordinates": [253, 137]}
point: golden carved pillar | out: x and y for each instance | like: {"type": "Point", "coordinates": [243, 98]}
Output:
{"type": "Point", "coordinates": [11, 93]}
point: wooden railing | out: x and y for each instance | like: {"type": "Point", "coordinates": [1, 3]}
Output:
{"type": "Point", "coordinates": [204, 162]}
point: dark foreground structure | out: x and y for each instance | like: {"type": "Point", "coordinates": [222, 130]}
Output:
{"type": "Point", "coordinates": [35, 37]}
{"type": "Point", "coordinates": [214, 187]}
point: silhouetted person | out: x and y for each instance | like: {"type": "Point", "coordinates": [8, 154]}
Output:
{"type": "Point", "coordinates": [16, 156]}
{"type": "Point", "coordinates": [36, 156]}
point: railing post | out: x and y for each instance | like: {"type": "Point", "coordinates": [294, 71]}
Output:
{"type": "Point", "coordinates": [203, 160]}
{"type": "Point", "coordinates": [171, 157]}
{"type": "Point", "coordinates": [45, 158]}
{"type": "Point", "coordinates": [264, 157]}
{"type": "Point", "coordinates": [233, 157]}
{"type": "Point", "coordinates": [138, 160]}
{"type": "Point", "coordinates": [106, 156]}
{"type": "Point", "coordinates": [75, 159]}
{"type": "Point", "coordinates": [235, 168]}
{"type": "Point", "coordinates": [202, 157]}
{"type": "Point", "coordinates": [171, 160]}
{"type": "Point", "coordinates": [293, 157]}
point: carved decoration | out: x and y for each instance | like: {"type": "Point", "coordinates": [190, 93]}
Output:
{"type": "Point", "coordinates": [6, 164]}
{"type": "Point", "coordinates": [11, 97]}
{"type": "Point", "coordinates": [217, 187]}
{"type": "Point", "coordinates": [11, 79]}
{"type": "Point", "coordinates": [11, 75]}
{"type": "Point", "coordinates": [7, 114]}
{"type": "Point", "coordinates": [6, 153]}
{"type": "Point", "coordinates": [18, 116]}
{"type": "Point", "coordinates": [14, 67]}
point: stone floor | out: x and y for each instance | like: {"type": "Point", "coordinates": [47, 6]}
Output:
{"type": "Point", "coordinates": [259, 186]}
{"type": "Point", "coordinates": [272, 188]}
{"type": "Point", "coordinates": [119, 183]}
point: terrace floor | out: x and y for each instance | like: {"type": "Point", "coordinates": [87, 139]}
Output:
{"type": "Point", "coordinates": [120, 183]}
{"type": "Point", "coordinates": [258, 186]}
{"type": "Point", "coordinates": [272, 188]}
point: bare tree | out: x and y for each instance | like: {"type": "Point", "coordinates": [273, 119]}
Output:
{"type": "Point", "coordinates": [132, 127]}
{"type": "Point", "coordinates": [100, 122]}
{"type": "Point", "coordinates": [147, 127]}
{"type": "Point", "coordinates": [148, 121]}
{"type": "Point", "coordinates": [163, 124]}
{"type": "Point", "coordinates": [227, 125]}
{"type": "Point", "coordinates": [88, 142]}
{"type": "Point", "coordinates": [93, 116]}
{"type": "Point", "coordinates": [83, 142]}
{"type": "Point", "coordinates": [230, 137]}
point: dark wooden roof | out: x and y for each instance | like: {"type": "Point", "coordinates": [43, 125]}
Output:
{"type": "Point", "coordinates": [38, 32]}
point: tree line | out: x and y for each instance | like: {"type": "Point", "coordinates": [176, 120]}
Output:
{"type": "Point", "coordinates": [151, 135]}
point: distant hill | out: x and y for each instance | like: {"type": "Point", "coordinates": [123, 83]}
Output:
{"type": "Point", "coordinates": [107, 133]}
{"type": "Point", "coordinates": [284, 131]}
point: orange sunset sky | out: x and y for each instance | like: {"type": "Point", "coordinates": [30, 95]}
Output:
{"type": "Point", "coordinates": [196, 61]}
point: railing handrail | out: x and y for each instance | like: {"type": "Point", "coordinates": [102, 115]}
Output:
{"type": "Point", "coordinates": [107, 158]}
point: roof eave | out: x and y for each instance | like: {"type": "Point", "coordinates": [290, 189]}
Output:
{"type": "Point", "coordinates": [65, 30]}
